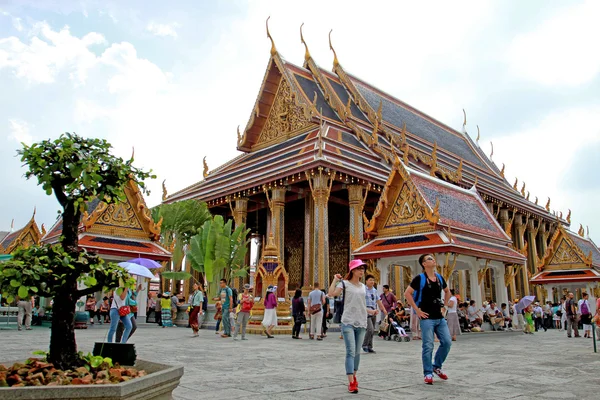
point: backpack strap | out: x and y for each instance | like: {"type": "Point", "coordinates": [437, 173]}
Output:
{"type": "Point", "coordinates": [421, 286]}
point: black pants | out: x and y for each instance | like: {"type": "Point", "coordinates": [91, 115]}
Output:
{"type": "Point", "coordinates": [158, 317]}
{"type": "Point", "coordinates": [539, 323]}
{"type": "Point", "coordinates": [150, 312]}
{"type": "Point", "coordinates": [121, 329]}
{"type": "Point", "coordinates": [296, 327]}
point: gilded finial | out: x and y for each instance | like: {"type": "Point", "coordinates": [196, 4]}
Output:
{"type": "Point", "coordinates": [314, 102]}
{"type": "Point", "coordinates": [205, 172]}
{"type": "Point", "coordinates": [239, 135]}
{"type": "Point", "coordinates": [492, 153]}
{"type": "Point", "coordinates": [536, 200]}
{"type": "Point", "coordinates": [335, 59]}
{"type": "Point", "coordinates": [459, 171]}
{"type": "Point", "coordinates": [34, 210]}
{"type": "Point", "coordinates": [43, 230]}
{"type": "Point", "coordinates": [569, 216]}
{"type": "Point", "coordinates": [464, 121]}
{"type": "Point", "coordinates": [527, 198]}
{"type": "Point", "coordinates": [478, 135]}
{"type": "Point", "coordinates": [380, 111]}
{"type": "Point", "coordinates": [560, 216]}
{"type": "Point", "coordinates": [403, 134]}
{"type": "Point", "coordinates": [581, 231]}
{"type": "Point", "coordinates": [273, 49]}
{"type": "Point", "coordinates": [516, 183]}
{"type": "Point", "coordinates": [164, 188]}
{"type": "Point", "coordinates": [523, 189]}
{"type": "Point", "coordinates": [306, 52]}
{"type": "Point", "coordinates": [588, 231]}
{"type": "Point", "coordinates": [548, 205]}
{"type": "Point", "coordinates": [502, 170]}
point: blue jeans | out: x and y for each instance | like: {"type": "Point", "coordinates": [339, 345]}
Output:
{"type": "Point", "coordinates": [226, 322]}
{"type": "Point", "coordinates": [114, 320]}
{"type": "Point", "coordinates": [353, 338]}
{"type": "Point", "coordinates": [440, 327]}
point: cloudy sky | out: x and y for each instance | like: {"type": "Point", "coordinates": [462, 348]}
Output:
{"type": "Point", "coordinates": [175, 79]}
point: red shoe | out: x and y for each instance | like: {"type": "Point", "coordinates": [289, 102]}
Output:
{"type": "Point", "coordinates": [440, 373]}
{"type": "Point", "coordinates": [428, 379]}
{"type": "Point", "coordinates": [353, 387]}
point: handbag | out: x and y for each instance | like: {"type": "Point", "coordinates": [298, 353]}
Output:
{"type": "Point", "coordinates": [301, 319]}
{"type": "Point", "coordinates": [124, 310]}
{"type": "Point", "coordinates": [315, 308]}
{"type": "Point", "coordinates": [339, 306]}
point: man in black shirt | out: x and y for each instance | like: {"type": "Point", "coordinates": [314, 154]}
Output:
{"type": "Point", "coordinates": [424, 296]}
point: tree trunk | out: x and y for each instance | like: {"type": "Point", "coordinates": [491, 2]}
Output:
{"type": "Point", "coordinates": [63, 348]}
{"type": "Point", "coordinates": [70, 229]}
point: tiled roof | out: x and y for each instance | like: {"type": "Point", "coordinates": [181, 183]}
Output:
{"type": "Point", "coordinates": [399, 243]}
{"type": "Point", "coordinates": [586, 246]}
{"type": "Point", "coordinates": [459, 208]}
{"type": "Point", "coordinates": [3, 234]}
{"type": "Point", "coordinates": [8, 239]}
{"type": "Point", "coordinates": [565, 276]}
{"type": "Point", "coordinates": [481, 247]}
{"type": "Point", "coordinates": [106, 245]}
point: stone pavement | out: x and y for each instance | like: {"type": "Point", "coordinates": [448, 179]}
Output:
{"type": "Point", "coordinates": [500, 365]}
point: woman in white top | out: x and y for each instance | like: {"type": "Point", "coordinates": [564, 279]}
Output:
{"type": "Point", "coordinates": [354, 317]}
{"type": "Point", "coordinates": [119, 300]}
{"type": "Point", "coordinates": [452, 317]}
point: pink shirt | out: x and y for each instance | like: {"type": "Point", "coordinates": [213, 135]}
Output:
{"type": "Point", "coordinates": [270, 301]}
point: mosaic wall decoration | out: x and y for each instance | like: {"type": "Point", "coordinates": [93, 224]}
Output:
{"type": "Point", "coordinates": [339, 239]}
{"type": "Point", "coordinates": [294, 242]}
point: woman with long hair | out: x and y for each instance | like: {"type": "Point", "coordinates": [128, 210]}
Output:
{"type": "Point", "coordinates": [354, 317]}
{"type": "Point", "coordinates": [118, 304]}
{"type": "Point", "coordinates": [196, 303]}
{"type": "Point", "coordinates": [298, 312]}
{"type": "Point", "coordinates": [270, 319]}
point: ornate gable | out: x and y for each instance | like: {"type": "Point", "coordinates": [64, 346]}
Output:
{"type": "Point", "coordinates": [566, 254]}
{"type": "Point", "coordinates": [125, 219]}
{"type": "Point", "coordinates": [563, 253]}
{"type": "Point", "coordinates": [27, 236]}
{"type": "Point", "coordinates": [401, 208]}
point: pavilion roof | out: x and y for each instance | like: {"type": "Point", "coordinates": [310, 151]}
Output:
{"type": "Point", "coordinates": [568, 250]}
{"type": "Point", "coordinates": [565, 276]}
{"type": "Point", "coordinates": [26, 236]}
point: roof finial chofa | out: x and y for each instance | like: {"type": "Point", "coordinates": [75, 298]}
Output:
{"type": "Point", "coordinates": [478, 135]}
{"type": "Point", "coordinates": [335, 59]}
{"type": "Point", "coordinates": [273, 49]}
{"type": "Point", "coordinates": [492, 153]}
{"type": "Point", "coordinates": [464, 121]}
{"type": "Point", "coordinates": [306, 52]}
{"type": "Point", "coordinates": [569, 216]}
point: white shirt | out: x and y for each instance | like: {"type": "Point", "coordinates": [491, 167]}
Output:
{"type": "Point", "coordinates": [355, 305]}
{"type": "Point", "coordinates": [117, 301]}
{"type": "Point", "coordinates": [453, 308]}
{"type": "Point", "coordinates": [472, 311]}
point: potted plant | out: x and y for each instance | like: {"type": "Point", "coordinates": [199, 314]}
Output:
{"type": "Point", "coordinates": [76, 170]}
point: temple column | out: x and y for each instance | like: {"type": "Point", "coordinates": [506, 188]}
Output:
{"type": "Point", "coordinates": [548, 293]}
{"type": "Point", "coordinates": [505, 223]}
{"type": "Point", "coordinates": [462, 284]}
{"type": "Point", "coordinates": [308, 244]}
{"type": "Point", "coordinates": [384, 274]}
{"type": "Point", "coordinates": [240, 214]}
{"type": "Point", "coordinates": [356, 204]}
{"type": "Point", "coordinates": [475, 287]}
{"type": "Point", "coordinates": [501, 291]}
{"type": "Point", "coordinates": [320, 185]}
{"type": "Point", "coordinates": [520, 245]}
{"type": "Point", "coordinates": [277, 205]}
{"type": "Point", "coordinates": [532, 255]}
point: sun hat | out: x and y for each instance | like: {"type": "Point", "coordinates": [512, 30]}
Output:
{"type": "Point", "coordinates": [247, 286]}
{"type": "Point", "coordinates": [356, 263]}
{"type": "Point", "coordinates": [271, 288]}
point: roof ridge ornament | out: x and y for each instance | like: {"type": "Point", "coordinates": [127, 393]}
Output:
{"type": "Point", "coordinates": [502, 170]}
{"type": "Point", "coordinates": [464, 121]}
{"type": "Point", "coordinates": [581, 231]}
{"type": "Point", "coordinates": [306, 52]}
{"type": "Point", "coordinates": [516, 183]}
{"type": "Point", "coordinates": [434, 166]}
{"type": "Point", "coordinates": [478, 135]}
{"type": "Point", "coordinates": [569, 216]}
{"type": "Point", "coordinates": [273, 48]}
{"type": "Point", "coordinates": [205, 172]}
{"type": "Point", "coordinates": [548, 205]}
{"type": "Point", "coordinates": [492, 153]}
{"type": "Point", "coordinates": [164, 188]}
{"type": "Point", "coordinates": [336, 63]}
{"type": "Point", "coordinates": [523, 189]}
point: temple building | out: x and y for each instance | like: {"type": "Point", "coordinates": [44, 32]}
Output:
{"type": "Point", "coordinates": [28, 235]}
{"type": "Point", "coordinates": [335, 168]}
{"type": "Point", "coordinates": [118, 232]}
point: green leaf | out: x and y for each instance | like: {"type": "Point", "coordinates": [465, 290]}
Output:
{"type": "Point", "coordinates": [176, 275]}
{"type": "Point", "coordinates": [96, 361]}
{"type": "Point", "coordinates": [23, 292]}
{"type": "Point", "coordinates": [14, 283]}
{"type": "Point", "coordinates": [39, 353]}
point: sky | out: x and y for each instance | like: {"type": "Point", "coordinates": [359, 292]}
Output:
{"type": "Point", "coordinates": [174, 80]}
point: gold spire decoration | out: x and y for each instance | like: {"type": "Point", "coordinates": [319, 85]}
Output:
{"type": "Point", "coordinates": [516, 183]}
{"type": "Point", "coordinates": [164, 188]}
{"type": "Point", "coordinates": [536, 200]}
{"type": "Point", "coordinates": [205, 172]}
{"type": "Point", "coordinates": [548, 205]}
{"type": "Point", "coordinates": [306, 52]}
{"type": "Point", "coordinates": [560, 216]}
{"type": "Point", "coordinates": [34, 210]}
{"type": "Point", "coordinates": [502, 170]}
{"type": "Point", "coordinates": [478, 134]}
{"type": "Point", "coordinates": [527, 198]}
{"type": "Point", "coordinates": [523, 189]}
{"type": "Point", "coordinates": [459, 171]}
{"type": "Point", "coordinates": [43, 230]}
{"type": "Point", "coordinates": [581, 231]}
{"type": "Point", "coordinates": [476, 180]}
{"type": "Point", "coordinates": [239, 135]}
{"type": "Point", "coordinates": [335, 59]}
{"type": "Point", "coordinates": [492, 153]}
{"type": "Point", "coordinates": [273, 49]}
{"type": "Point", "coordinates": [569, 216]}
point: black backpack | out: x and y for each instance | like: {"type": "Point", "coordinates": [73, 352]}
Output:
{"type": "Point", "coordinates": [234, 295]}
{"type": "Point", "coordinates": [205, 303]}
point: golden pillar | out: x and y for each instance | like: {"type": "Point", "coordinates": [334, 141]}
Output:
{"type": "Point", "coordinates": [277, 207]}
{"type": "Point", "coordinates": [308, 245]}
{"type": "Point", "coordinates": [320, 185]}
{"type": "Point", "coordinates": [356, 204]}
{"type": "Point", "coordinates": [520, 244]}
{"type": "Point", "coordinates": [240, 214]}
{"type": "Point", "coordinates": [506, 225]}
{"type": "Point", "coordinates": [543, 238]}
{"type": "Point", "coordinates": [462, 284]}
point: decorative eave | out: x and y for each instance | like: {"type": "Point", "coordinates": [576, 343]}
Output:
{"type": "Point", "coordinates": [26, 236]}
{"type": "Point", "coordinates": [576, 259]}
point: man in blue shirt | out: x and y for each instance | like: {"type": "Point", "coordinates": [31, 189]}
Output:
{"type": "Point", "coordinates": [226, 297]}
{"type": "Point", "coordinates": [373, 302]}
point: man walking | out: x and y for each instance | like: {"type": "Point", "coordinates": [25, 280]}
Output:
{"type": "Point", "coordinates": [571, 315]}
{"type": "Point", "coordinates": [226, 296]}
{"type": "Point", "coordinates": [388, 299]}
{"type": "Point", "coordinates": [174, 303]}
{"type": "Point", "coordinates": [372, 303]}
{"type": "Point", "coordinates": [538, 315]}
{"type": "Point", "coordinates": [427, 303]}
{"type": "Point", "coordinates": [316, 299]}
{"type": "Point", "coordinates": [25, 308]}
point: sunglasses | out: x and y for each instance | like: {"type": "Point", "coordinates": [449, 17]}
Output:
{"type": "Point", "coordinates": [429, 259]}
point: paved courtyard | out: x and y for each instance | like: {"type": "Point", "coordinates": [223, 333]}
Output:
{"type": "Point", "coordinates": [487, 365]}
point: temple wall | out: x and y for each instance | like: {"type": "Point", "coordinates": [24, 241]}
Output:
{"type": "Point", "coordinates": [294, 242]}
{"type": "Point", "coordinates": [339, 240]}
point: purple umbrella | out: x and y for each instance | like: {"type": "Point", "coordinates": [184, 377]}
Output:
{"type": "Point", "coordinates": [145, 262]}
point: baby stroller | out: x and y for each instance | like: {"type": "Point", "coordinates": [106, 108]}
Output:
{"type": "Point", "coordinates": [391, 329]}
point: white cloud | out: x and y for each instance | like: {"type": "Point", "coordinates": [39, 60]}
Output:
{"type": "Point", "coordinates": [48, 53]}
{"type": "Point", "coordinates": [19, 131]}
{"type": "Point", "coordinates": [163, 29]}
{"type": "Point", "coordinates": [16, 21]}
{"type": "Point", "coordinates": [561, 50]}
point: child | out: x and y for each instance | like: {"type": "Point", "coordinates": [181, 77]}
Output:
{"type": "Point", "coordinates": [218, 315]}
{"type": "Point", "coordinates": [529, 325]}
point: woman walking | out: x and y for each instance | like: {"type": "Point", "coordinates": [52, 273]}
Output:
{"type": "Point", "coordinates": [243, 316]}
{"type": "Point", "coordinates": [452, 316]}
{"type": "Point", "coordinates": [119, 311]}
{"type": "Point", "coordinates": [354, 317]}
{"type": "Point", "coordinates": [165, 310]}
{"type": "Point", "coordinates": [90, 306]}
{"type": "Point", "coordinates": [298, 312]}
{"type": "Point", "coordinates": [196, 304]}
{"type": "Point", "coordinates": [270, 319]}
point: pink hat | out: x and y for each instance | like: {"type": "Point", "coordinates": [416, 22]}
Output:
{"type": "Point", "coordinates": [356, 263]}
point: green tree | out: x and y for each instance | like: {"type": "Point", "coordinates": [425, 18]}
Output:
{"type": "Point", "coordinates": [218, 252]}
{"type": "Point", "coordinates": [77, 170]}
